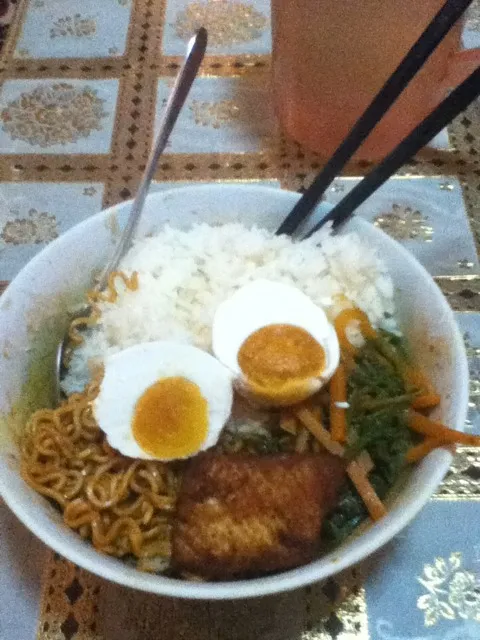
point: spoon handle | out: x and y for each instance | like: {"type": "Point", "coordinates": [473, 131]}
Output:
{"type": "Point", "coordinates": [187, 74]}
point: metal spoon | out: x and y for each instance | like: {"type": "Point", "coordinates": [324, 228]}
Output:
{"type": "Point", "coordinates": [187, 74]}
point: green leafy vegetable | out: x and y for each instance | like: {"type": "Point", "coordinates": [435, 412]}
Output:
{"type": "Point", "coordinates": [377, 423]}
{"type": "Point", "coordinates": [260, 443]}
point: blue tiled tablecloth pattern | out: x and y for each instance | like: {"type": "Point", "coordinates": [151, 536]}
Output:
{"type": "Point", "coordinates": [82, 86]}
{"type": "Point", "coordinates": [436, 560]}
{"type": "Point", "coordinates": [81, 120]}
{"type": "Point", "coordinates": [68, 29]}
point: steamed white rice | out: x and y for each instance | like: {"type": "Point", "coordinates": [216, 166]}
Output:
{"type": "Point", "coordinates": [185, 275]}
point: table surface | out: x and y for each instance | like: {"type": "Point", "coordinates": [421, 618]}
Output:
{"type": "Point", "coordinates": [107, 67]}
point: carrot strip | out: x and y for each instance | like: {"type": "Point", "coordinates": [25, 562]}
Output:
{"type": "Point", "coordinates": [341, 322]}
{"type": "Point", "coordinates": [288, 424]}
{"type": "Point", "coordinates": [421, 424]}
{"type": "Point", "coordinates": [317, 429]}
{"type": "Point", "coordinates": [357, 475]}
{"type": "Point", "coordinates": [416, 378]}
{"type": "Point", "coordinates": [365, 461]}
{"type": "Point", "coordinates": [416, 453]}
{"type": "Point", "coordinates": [348, 361]}
{"type": "Point", "coordinates": [338, 416]}
{"type": "Point", "coordinates": [427, 401]}
{"type": "Point", "coordinates": [301, 443]}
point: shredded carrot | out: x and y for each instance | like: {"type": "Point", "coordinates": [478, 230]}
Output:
{"type": "Point", "coordinates": [317, 429]}
{"type": "Point", "coordinates": [427, 401]}
{"type": "Point", "coordinates": [365, 461]}
{"type": "Point", "coordinates": [341, 322]}
{"type": "Point", "coordinates": [433, 429]}
{"type": "Point", "coordinates": [338, 393]}
{"type": "Point", "coordinates": [357, 475]}
{"type": "Point", "coordinates": [419, 451]}
{"type": "Point", "coordinates": [416, 378]}
{"type": "Point", "coordinates": [301, 443]}
{"type": "Point", "coordinates": [348, 361]}
{"type": "Point", "coordinates": [288, 423]}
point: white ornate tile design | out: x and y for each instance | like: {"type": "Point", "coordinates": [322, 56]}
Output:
{"type": "Point", "coordinates": [57, 116]}
{"type": "Point", "coordinates": [66, 29]}
{"type": "Point", "coordinates": [221, 115]}
{"type": "Point", "coordinates": [428, 215]}
{"type": "Point", "coordinates": [235, 27]}
{"type": "Point", "coordinates": [33, 214]}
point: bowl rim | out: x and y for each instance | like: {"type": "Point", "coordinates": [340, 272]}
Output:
{"type": "Point", "coordinates": [369, 542]}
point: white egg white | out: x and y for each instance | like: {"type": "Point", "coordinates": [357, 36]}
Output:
{"type": "Point", "coordinates": [129, 373]}
{"type": "Point", "coordinates": [262, 303]}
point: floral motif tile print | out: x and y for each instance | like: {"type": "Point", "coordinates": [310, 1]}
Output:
{"type": "Point", "coordinates": [427, 215]}
{"type": "Point", "coordinates": [234, 26]}
{"type": "Point", "coordinates": [425, 584]}
{"type": "Point", "coordinates": [214, 114]}
{"type": "Point", "coordinates": [34, 214]}
{"type": "Point", "coordinates": [34, 227]}
{"type": "Point", "coordinates": [221, 115]}
{"type": "Point", "coordinates": [404, 223]}
{"type": "Point", "coordinates": [57, 116]}
{"type": "Point", "coordinates": [228, 23]}
{"type": "Point", "coordinates": [73, 27]}
{"type": "Point", "coordinates": [452, 592]}
{"type": "Point", "coordinates": [66, 29]}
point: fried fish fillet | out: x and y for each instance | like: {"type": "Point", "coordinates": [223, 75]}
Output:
{"type": "Point", "coordinates": [241, 515]}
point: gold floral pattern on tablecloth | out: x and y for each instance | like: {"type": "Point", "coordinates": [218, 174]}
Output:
{"type": "Point", "coordinates": [214, 114]}
{"type": "Point", "coordinates": [75, 26]}
{"type": "Point", "coordinates": [228, 23]}
{"type": "Point", "coordinates": [34, 228]}
{"type": "Point", "coordinates": [405, 223]}
{"type": "Point", "coordinates": [57, 114]}
{"type": "Point", "coordinates": [452, 592]}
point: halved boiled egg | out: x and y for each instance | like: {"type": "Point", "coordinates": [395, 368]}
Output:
{"type": "Point", "coordinates": [279, 344]}
{"type": "Point", "coordinates": [163, 400]}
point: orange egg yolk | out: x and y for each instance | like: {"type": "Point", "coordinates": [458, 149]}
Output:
{"type": "Point", "coordinates": [171, 418]}
{"type": "Point", "coordinates": [278, 354]}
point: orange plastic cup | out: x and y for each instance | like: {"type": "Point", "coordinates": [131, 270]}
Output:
{"type": "Point", "coordinates": [331, 58]}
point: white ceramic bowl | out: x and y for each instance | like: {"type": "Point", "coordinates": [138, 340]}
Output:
{"type": "Point", "coordinates": [32, 317]}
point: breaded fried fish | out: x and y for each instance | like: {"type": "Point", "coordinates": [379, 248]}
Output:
{"type": "Point", "coordinates": [240, 515]}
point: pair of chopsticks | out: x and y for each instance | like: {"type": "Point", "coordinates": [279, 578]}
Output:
{"type": "Point", "coordinates": [454, 104]}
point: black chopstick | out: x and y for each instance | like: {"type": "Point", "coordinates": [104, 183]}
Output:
{"type": "Point", "coordinates": [451, 11]}
{"type": "Point", "coordinates": [456, 102]}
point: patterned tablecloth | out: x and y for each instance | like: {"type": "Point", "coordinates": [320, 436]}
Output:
{"type": "Point", "coordinates": [81, 88]}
